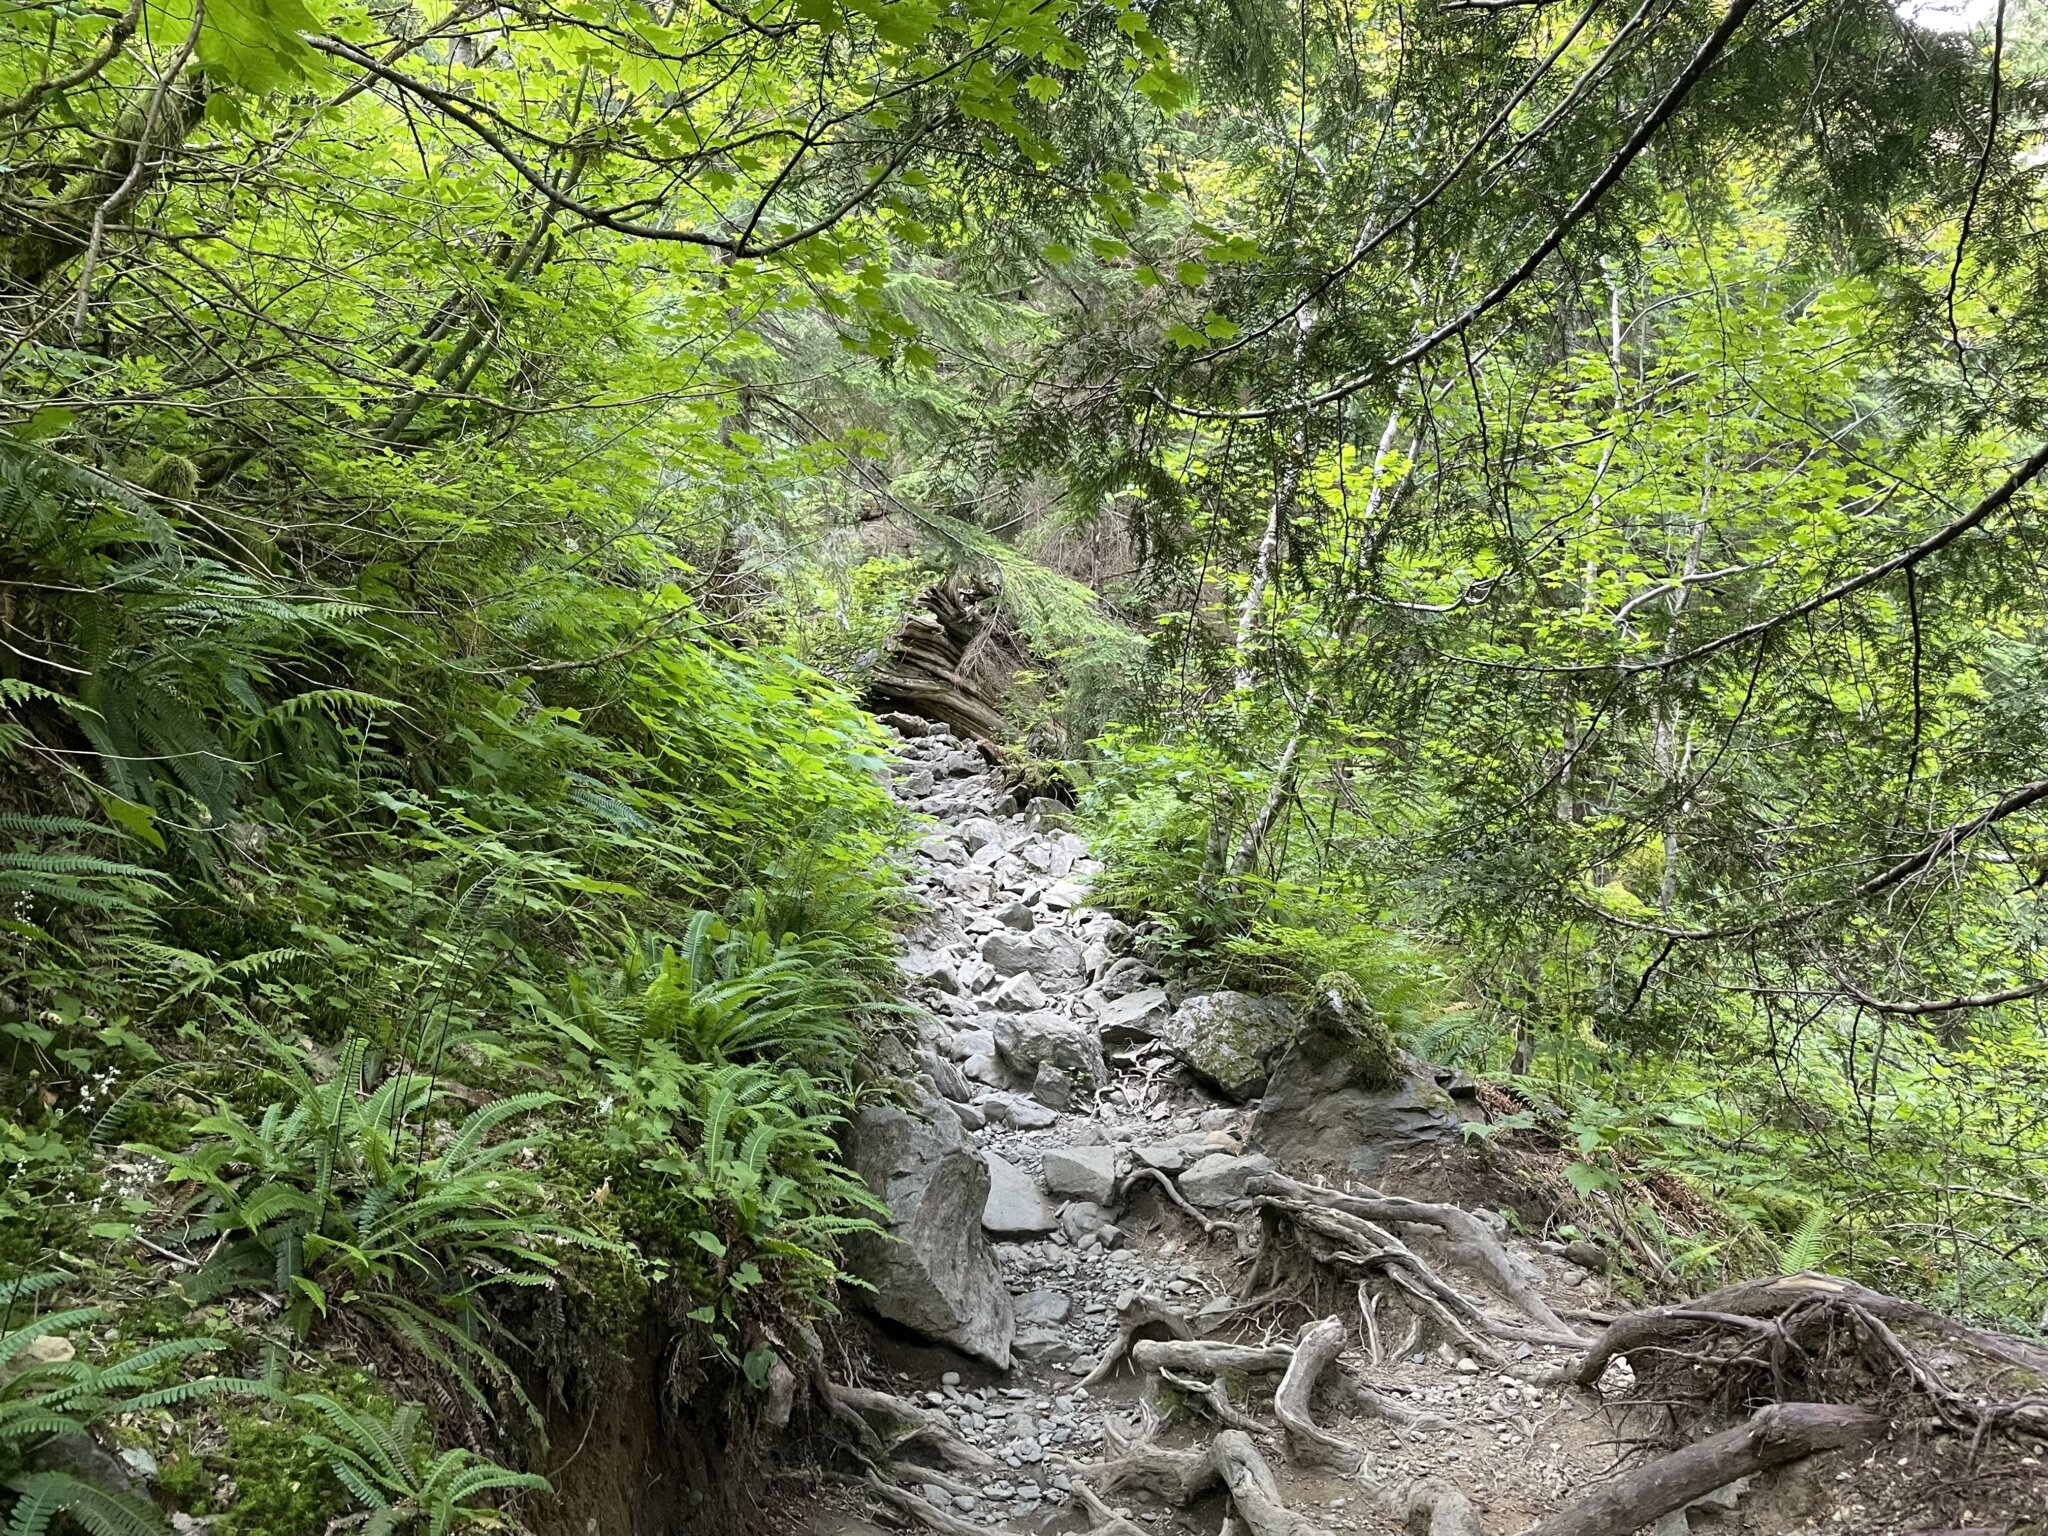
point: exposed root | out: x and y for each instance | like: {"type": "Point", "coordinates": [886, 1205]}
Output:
{"type": "Point", "coordinates": [1315, 1350]}
{"type": "Point", "coordinates": [1773, 1436]}
{"type": "Point", "coordinates": [884, 1424]}
{"type": "Point", "coordinates": [1381, 1406]}
{"type": "Point", "coordinates": [1106, 1521]}
{"type": "Point", "coordinates": [1214, 1396]}
{"type": "Point", "coordinates": [1178, 1477]}
{"type": "Point", "coordinates": [1810, 1335]}
{"type": "Point", "coordinates": [1209, 1356]}
{"type": "Point", "coordinates": [1181, 1477]}
{"type": "Point", "coordinates": [1472, 1243]}
{"type": "Point", "coordinates": [1254, 1493]}
{"type": "Point", "coordinates": [927, 1513]}
{"type": "Point", "coordinates": [1210, 1225]}
{"type": "Point", "coordinates": [1135, 1313]}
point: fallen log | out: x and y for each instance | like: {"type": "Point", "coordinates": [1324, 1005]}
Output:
{"type": "Point", "coordinates": [1772, 1437]}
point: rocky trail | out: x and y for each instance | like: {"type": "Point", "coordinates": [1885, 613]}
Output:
{"type": "Point", "coordinates": [1169, 1260]}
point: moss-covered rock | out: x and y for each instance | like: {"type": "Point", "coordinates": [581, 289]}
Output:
{"type": "Point", "coordinates": [1343, 1012]}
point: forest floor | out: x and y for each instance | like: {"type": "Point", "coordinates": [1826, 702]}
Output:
{"type": "Point", "coordinates": [1517, 1447]}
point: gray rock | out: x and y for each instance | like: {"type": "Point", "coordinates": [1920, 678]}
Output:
{"type": "Point", "coordinates": [1167, 1157]}
{"type": "Point", "coordinates": [1026, 1040]}
{"type": "Point", "coordinates": [938, 1276]}
{"type": "Point", "coordinates": [977, 976]}
{"type": "Point", "coordinates": [1084, 1173]}
{"type": "Point", "coordinates": [1017, 915]}
{"type": "Point", "coordinates": [1315, 1110]}
{"type": "Point", "coordinates": [978, 832]}
{"type": "Point", "coordinates": [1013, 1203]}
{"type": "Point", "coordinates": [971, 1042]}
{"type": "Point", "coordinates": [986, 1069]}
{"type": "Point", "coordinates": [1008, 952]}
{"type": "Point", "coordinates": [1052, 1087]}
{"type": "Point", "coordinates": [1020, 994]}
{"type": "Point", "coordinates": [970, 1118]}
{"type": "Point", "coordinates": [1045, 1346]}
{"type": "Point", "coordinates": [1134, 1016]}
{"type": "Point", "coordinates": [950, 1081]}
{"type": "Point", "coordinates": [1588, 1256]}
{"type": "Point", "coordinates": [1124, 976]}
{"type": "Point", "coordinates": [1017, 1112]}
{"type": "Point", "coordinates": [1064, 895]}
{"type": "Point", "coordinates": [937, 971]}
{"type": "Point", "coordinates": [1080, 1218]}
{"type": "Point", "coordinates": [1220, 1178]}
{"type": "Point", "coordinates": [1230, 1039]}
{"type": "Point", "coordinates": [1041, 1309]}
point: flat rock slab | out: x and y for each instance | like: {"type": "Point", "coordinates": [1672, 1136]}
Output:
{"type": "Point", "coordinates": [1014, 1204]}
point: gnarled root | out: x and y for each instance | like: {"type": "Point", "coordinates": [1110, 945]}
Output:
{"type": "Point", "coordinates": [1773, 1436]}
{"type": "Point", "coordinates": [1472, 1243]}
{"type": "Point", "coordinates": [1135, 1313]}
{"type": "Point", "coordinates": [1181, 1477]}
{"type": "Point", "coordinates": [1803, 1334]}
{"type": "Point", "coordinates": [1210, 1225]}
{"type": "Point", "coordinates": [1315, 1350]}
{"type": "Point", "coordinates": [885, 1424]}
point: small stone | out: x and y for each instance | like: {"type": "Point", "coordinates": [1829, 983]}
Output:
{"type": "Point", "coordinates": [1467, 1366]}
{"type": "Point", "coordinates": [1017, 915]}
{"type": "Point", "coordinates": [950, 1379]}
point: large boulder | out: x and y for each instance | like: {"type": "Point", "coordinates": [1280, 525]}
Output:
{"type": "Point", "coordinates": [1324, 1106]}
{"type": "Point", "coordinates": [934, 1273]}
{"type": "Point", "coordinates": [1229, 1039]}
{"type": "Point", "coordinates": [1027, 1041]}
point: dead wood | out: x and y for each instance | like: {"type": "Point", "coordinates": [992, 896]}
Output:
{"type": "Point", "coordinates": [1818, 1336]}
{"type": "Point", "coordinates": [1136, 1312]}
{"type": "Point", "coordinates": [1472, 1243]}
{"type": "Point", "coordinates": [1316, 1349]}
{"type": "Point", "coordinates": [1773, 1436]}
{"type": "Point", "coordinates": [1254, 1493]}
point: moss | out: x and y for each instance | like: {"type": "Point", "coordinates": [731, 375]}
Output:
{"type": "Point", "coordinates": [1344, 1011]}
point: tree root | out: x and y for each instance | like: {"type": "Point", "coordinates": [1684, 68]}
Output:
{"type": "Point", "coordinates": [1135, 1312]}
{"type": "Point", "coordinates": [1380, 1405]}
{"type": "Point", "coordinates": [1352, 1244]}
{"type": "Point", "coordinates": [1773, 1436]}
{"type": "Point", "coordinates": [1181, 1477]}
{"type": "Point", "coordinates": [1213, 1395]}
{"type": "Point", "coordinates": [885, 1424]}
{"type": "Point", "coordinates": [1315, 1350]}
{"type": "Point", "coordinates": [1210, 1225]}
{"type": "Point", "coordinates": [1799, 1334]}
{"type": "Point", "coordinates": [1472, 1243]}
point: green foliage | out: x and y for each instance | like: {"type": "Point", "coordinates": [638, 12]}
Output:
{"type": "Point", "coordinates": [394, 1472]}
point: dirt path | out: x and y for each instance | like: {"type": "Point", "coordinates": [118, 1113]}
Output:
{"type": "Point", "coordinates": [1126, 1190]}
